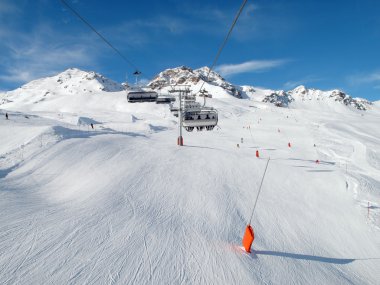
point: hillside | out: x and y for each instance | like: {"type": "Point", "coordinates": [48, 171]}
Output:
{"type": "Point", "coordinates": [123, 204]}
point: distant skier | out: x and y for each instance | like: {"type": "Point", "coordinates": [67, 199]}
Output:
{"type": "Point", "coordinates": [6, 116]}
{"type": "Point", "coordinates": [92, 125]}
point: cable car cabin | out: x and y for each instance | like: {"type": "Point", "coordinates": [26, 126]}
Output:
{"type": "Point", "coordinates": [204, 119]}
{"type": "Point", "coordinates": [164, 99]}
{"type": "Point", "coordinates": [141, 96]}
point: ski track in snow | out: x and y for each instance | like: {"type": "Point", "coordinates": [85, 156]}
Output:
{"type": "Point", "coordinates": [130, 207]}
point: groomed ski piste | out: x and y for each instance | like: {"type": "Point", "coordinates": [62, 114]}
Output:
{"type": "Point", "coordinates": [123, 204]}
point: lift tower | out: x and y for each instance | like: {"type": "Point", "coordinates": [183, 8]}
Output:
{"type": "Point", "coordinates": [182, 91]}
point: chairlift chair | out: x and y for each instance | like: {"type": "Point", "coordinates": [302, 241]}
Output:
{"type": "Point", "coordinates": [141, 96]}
{"type": "Point", "coordinates": [207, 119]}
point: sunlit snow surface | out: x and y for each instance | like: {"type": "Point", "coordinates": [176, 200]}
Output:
{"type": "Point", "coordinates": [123, 204]}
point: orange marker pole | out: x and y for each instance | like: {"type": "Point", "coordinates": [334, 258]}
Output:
{"type": "Point", "coordinates": [249, 235]}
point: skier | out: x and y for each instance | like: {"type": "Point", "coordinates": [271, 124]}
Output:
{"type": "Point", "coordinates": [6, 116]}
{"type": "Point", "coordinates": [92, 125]}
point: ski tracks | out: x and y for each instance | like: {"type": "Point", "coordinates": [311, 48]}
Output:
{"type": "Point", "coordinates": [150, 261]}
{"type": "Point", "coordinates": [16, 272]}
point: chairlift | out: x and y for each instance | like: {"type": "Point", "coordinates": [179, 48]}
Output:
{"type": "Point", "coordinates": [174, 110]}
{"type": "Point", "coordinates": [141, 96]}
{"type": "Point", "coordinates": [194, 115]}
{"type": "Point", "coordinates": [197, 116]}
{"type": "Point", "coordinates": [207, 119]}
{"type": "Point", "coordinates": [163, 99]}
{"type": "Point", "coordinates": [138, 94]}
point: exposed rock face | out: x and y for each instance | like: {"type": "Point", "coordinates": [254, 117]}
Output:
{"type": "Point", "coordinates": [304, 94]}
{"type": "Point", "coordinates": [279, 98]}
{"type": "Point", "coordinates": [358, 103]}
{"type": "Point", "coordinates": [188, 76]}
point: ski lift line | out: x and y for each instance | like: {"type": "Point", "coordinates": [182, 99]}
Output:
{"type": "Point", "coordinates": [100, 35]}
{"type": "Point", "coordinates": [225, 40]}
{"type": "Point", "coordinates": [258, 194]}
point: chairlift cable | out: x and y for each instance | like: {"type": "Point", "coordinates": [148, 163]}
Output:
{"type": "Point", "coordinates": [225, 41]}
{"type": "Point", "coordinates": [100, 35]}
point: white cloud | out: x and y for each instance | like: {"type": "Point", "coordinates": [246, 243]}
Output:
{"type": "Point", "coordinates": [42, 53]}
{"type": "Point", "coordinates": [139, 33]}
{"type": "Point", "coordinates": [371, 78]}
{"type": "Point", "coordinates": [7, 7]}
{"type": "Point", "coordinates": [374, 77]}
{"type": "Point", "coordinates": [34, 63]}
{"type": "Point", "coordinates": [249, 66]}
{"type": "Point", "coordinates": [15, 75]}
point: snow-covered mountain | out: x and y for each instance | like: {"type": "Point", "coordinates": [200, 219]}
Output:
{"type": "Point", "coordinates": [301, 93]}
{"type": "Point", "coordinates": [70, 87]}
{"type": "Point", "coordinates": [70, 81]}
{"type": "Point", "coordinates": [314, 98]}
{"type": "Point", "coordinates": [186, 76]}
{"type": "Point", "coordinates": [75, 81]}
{"type": "Point", "coordinates": [280, 98]}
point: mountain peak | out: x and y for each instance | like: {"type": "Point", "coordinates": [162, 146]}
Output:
{"type": "Point", "coordinates": [75, 76]}
{"type": "Point", "coordinates": [210, 80]}
{"type": "Point", "coordinates": [301, 89]}
{"type": "Point", "coordinates": [303, 94]}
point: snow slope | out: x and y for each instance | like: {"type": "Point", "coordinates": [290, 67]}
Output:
{"type": "Point", "coordinates": [123, 204]}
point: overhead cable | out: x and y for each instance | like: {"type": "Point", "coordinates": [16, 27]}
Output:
{"type": "Point", "coordinates": [100, 35]}
{"type": "Point", "coordinates": [225, 41]}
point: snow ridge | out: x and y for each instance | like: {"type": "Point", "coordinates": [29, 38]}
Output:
{"type": "Point", "coordinates": [304, 94]}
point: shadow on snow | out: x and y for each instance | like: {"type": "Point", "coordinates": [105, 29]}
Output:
{"type": "Point", "coordinates": [66, 133]}
{"type": "Point", "coordinates": [306, 257]}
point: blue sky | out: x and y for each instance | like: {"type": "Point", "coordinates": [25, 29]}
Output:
{"type": "Point", "coordinates": [276, 43]}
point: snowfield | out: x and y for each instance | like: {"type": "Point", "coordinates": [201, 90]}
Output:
{"type": "Point", "coordinates": [123, 204]}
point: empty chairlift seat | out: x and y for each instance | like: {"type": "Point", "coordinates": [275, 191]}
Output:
{"type": "Point", "coordinates": [142, 96]}
{"type": "Point", "coordinates": [163, 99]}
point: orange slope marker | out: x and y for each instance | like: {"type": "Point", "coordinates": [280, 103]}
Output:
{"type": "Point", "coordinates": [248, 238]}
